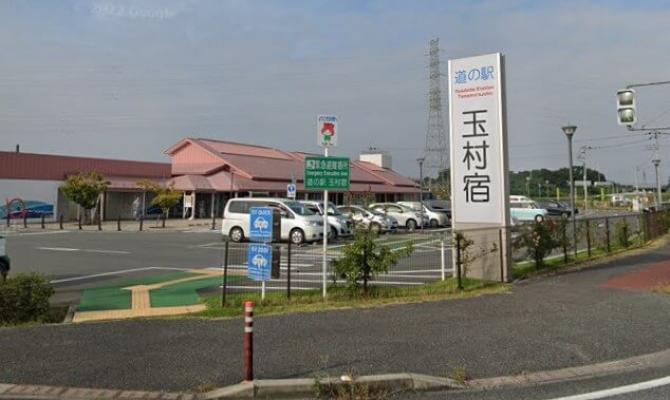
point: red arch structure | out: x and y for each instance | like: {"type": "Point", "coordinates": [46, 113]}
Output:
{"type": "Point", "coordinates": [23, 210]}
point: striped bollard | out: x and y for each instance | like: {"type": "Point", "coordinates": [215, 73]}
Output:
{"type": "Point", "coordinates": [249, 340]}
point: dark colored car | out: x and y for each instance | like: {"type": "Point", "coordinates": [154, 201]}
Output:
{"type": "Point", "coordinates": [557, 208]}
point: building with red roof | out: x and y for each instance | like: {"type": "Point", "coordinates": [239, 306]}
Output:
{"type": "Point", "coordinates": [215, 170]}
{"type": "Point", "coordinates": [208, 171]}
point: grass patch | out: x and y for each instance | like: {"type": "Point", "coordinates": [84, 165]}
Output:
{"type": "Point", "coordinates": [114, 297]}
{"type": "Point", "coordinates": [342, 298]}
{"type": "Point", "coordinates": [525, 269]}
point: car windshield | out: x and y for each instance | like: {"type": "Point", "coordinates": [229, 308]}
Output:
{"type": "Point", "coordinates": [407, 208]}
{"type": "Point", "coordinates": [332, 210]}
{"type": "Point", "coordinates": [299, 208]}
{"type": "Point", "coordinates": [414, 206]}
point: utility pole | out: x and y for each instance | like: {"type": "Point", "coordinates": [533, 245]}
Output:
{"type": "Point", "coordinates": [656, 160]}
{"type": "Point", "coordinates": [659, 196]}
{"type": "Point", "coordinates": [436, 152]}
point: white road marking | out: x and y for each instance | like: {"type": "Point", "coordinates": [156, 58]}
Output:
{"type": "Point", "coordinates": [636, 387]}
{"type": "Point", "coordinates": [57, 249]}
{"type": "Point", "coordinates": [104, 251]}
{"type": "Point", "coordinates": [270, 287]}
{"type": "Point", "coordinates": [121, 272]}
{"type": "Point", "coordinates": [68, 249]}
{"type": "Point", "coordinates": [417, 271]}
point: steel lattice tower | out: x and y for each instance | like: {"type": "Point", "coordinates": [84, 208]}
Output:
{"type": "Point", "coordinates": [436, 152]}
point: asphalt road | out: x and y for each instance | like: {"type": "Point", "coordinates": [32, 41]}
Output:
{"type": "Point", "coordinates": [620, 384]}
{"type": "Point", "coordinates": [547, 323]}
{"type": "Point", "coordinates": [79, 260]}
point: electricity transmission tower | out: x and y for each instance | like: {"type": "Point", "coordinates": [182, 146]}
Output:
{"type": "Point", "coordinates": [436, 156]}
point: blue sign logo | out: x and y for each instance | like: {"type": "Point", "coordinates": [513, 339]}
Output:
{"type": "Point", "coordinates": [259, 262]}
{"type": "Point", "coordinates": [484, 73]}
{"type": "Point", "coordinates": [290, 190]}
{"type": "Point", "coordinates": [260, 224]}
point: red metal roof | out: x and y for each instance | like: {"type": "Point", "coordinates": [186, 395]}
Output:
{"type": "Point", "coordinates": [56, 168]}
{"type": "Point", "coordinates": [264, 168]}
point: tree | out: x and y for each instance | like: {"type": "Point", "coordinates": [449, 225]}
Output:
{"type": "Point", "coordinates": [85, 189]}
{"type": "Point", "coordinates": [166, 196]}
{"type": "Point", "coordinates": [365, 258]}
{"type": "Point", "coordinates": [441, 192]}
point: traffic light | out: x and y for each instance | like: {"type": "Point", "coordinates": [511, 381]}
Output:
{"type": "Point", "coordinates": [626, 113]}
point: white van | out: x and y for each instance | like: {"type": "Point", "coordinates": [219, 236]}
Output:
{"type": "Point", "coordinates": [298, 223]}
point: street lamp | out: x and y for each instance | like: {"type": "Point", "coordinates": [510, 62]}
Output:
{"type": "Point", "coordinates": [569, 131]}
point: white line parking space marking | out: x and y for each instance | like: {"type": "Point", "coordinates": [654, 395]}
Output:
{"type": "Point", "coordinates": [636, 387]}
{"type": "Point", "coordinates": [84, 250]}
{"type": "Point", "coordinates": [121, 272]}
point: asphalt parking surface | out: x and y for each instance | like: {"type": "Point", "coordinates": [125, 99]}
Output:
{"type": "Point", "coordinates": [76, 260]}
{"type": "Point", "coordinates": [546, 323]}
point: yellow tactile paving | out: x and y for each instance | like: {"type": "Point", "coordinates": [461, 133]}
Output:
{"type": "Point", "coordinates": [141, 301]}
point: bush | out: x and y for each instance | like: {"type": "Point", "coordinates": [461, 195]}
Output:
{"type": "Point", "coordinates": [623, 233]}
{"type": "Point", "coordinates": [25, 298]}
{"type": "Point", "coordinates": [541, 238]}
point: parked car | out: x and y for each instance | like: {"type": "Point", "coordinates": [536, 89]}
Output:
{"type": "Point", "coordinates": [440, 205]}
{"type": "Point", "coordinates": [339, 224]}
{"type": "Point", "coordinates": [557, 208]}
{"type": "Point", "coordinates": [526, 211]}
{"type": "Point", "coordinates": [298, 223]}
{"type": "Point", "coordinates": [436, 217]}
{"type": "Point", "coordinates": [373, 220]}
{"type": "Point", "coordinates": [406, 216]}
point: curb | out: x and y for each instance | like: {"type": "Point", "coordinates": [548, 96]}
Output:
{"type": "Point", "coordinates": [292, 388]}
{"type": "Point", "coordinates": [307, 387]}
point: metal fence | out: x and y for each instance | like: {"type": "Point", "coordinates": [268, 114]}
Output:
{"type": "Point", "coordinates": [602, 234]}
{"type": "Point", "coordinates": [301, 267]}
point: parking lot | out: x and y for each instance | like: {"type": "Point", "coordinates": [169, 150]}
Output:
{"type": "Point", "coordinates": [76, 261]}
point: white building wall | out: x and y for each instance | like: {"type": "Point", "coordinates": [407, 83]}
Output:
{"type": "Point", "coordinates": [38, 197]}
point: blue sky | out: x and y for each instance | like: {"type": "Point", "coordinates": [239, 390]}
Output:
{"type": "Point", "coordinates": [126, 79]}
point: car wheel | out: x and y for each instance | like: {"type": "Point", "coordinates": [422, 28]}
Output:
{"type": "Point", "coordinates": [411, 225]}
{"type": "Point", "coordinates": [375, 227]}
{"type": "Point", "coordinates": [236, 234]}
{"type": "Point", "coordinates": [297, 236]}
{"type": "Point", "coordinates": [434, 223]}
{"type": "Point", "coordinates": [539, 218]}
{"type": "Point", "coordinates": [333, 233]}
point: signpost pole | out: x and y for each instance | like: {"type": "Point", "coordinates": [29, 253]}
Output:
{"type": "Point", "coordinates": [325, 231]}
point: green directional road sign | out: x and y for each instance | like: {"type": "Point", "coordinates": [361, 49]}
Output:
{"type": "Point", "coordinates": [327, 173]}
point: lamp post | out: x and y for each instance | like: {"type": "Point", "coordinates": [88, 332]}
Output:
{"type": "Point", "coordinates": [569, 131]}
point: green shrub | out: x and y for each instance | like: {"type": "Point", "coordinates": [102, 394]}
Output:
{"type": "Point", "coordinates": [623, 233]}
{"type": "Point", "coordinates": [25, 298]}
{"type": "Point", "coordinates": [543, 237]}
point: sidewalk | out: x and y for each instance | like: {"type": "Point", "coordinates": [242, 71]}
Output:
{"type": "Point", "coordinates": [149, 225]}
{"type": "Point", "coordinates": [546, 323]}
